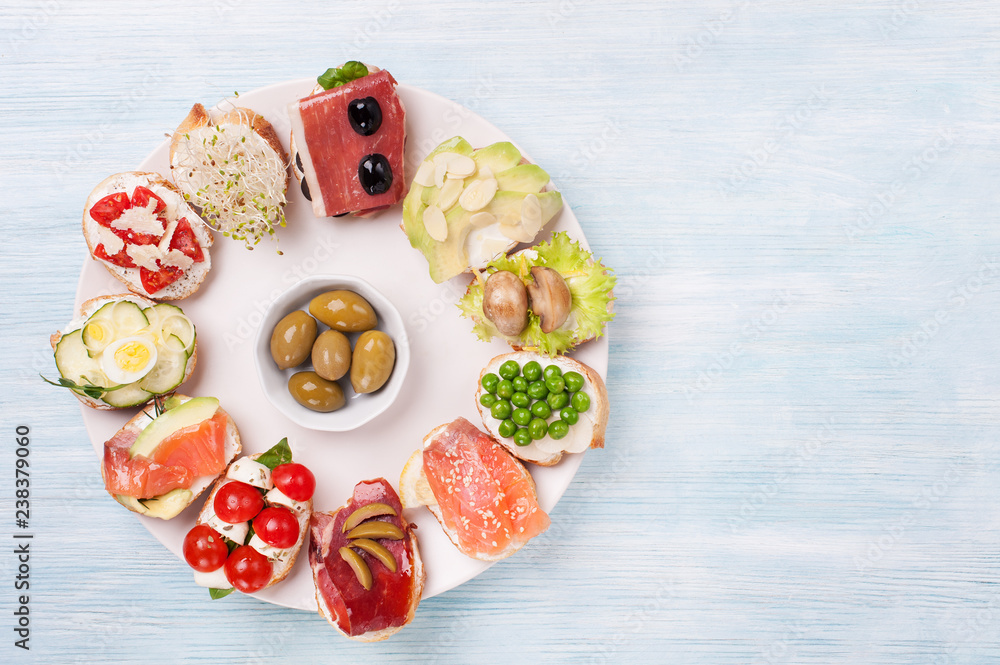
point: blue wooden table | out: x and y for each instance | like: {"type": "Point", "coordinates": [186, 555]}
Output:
{"type": "Point", "coordinates": [800, 201]}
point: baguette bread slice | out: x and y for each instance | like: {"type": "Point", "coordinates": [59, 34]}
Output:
{"type": "Point", "coordinates": [252, 166]}
{"type": "Point", "coordinates": [281, 564]}
{"type": "Point", "coordinates": [86, 310]}
{"type": "Point", "coordinates": [176, 208]}
{"type": "Point", "coordinates": [173, 503]}
{"type": "Point", "coordinates": [588, 432]}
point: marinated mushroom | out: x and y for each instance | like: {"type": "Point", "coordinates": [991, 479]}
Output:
{"type": "Point", "coordinates": [505, 302]}
{"type": "Point", "coordinates": [550, 298]}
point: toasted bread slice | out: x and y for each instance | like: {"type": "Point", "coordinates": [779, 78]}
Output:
{"type": "Point", "coordinates": [588, 432]}
{"type": "Point", "coordinates": [199, 485]}
{"type": "Point", "coordinates": [177, 208]}
{"type": "Point", "coordinates": [88, 308]}
{"type": "Point", "coordinates": [251, 147]}
{"type": "Point", "coordinates": [281, 564]}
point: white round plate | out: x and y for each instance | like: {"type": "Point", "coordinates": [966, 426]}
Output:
{"type": "Point", "coordinates": [446, 357]}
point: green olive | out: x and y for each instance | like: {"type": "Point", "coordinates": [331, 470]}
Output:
{"type": "Point", "coordinates": [345, 311]}
{"type": "Point", "coordinates": [374, 357]}
{"type": "Point", "coordinates": [331, 355]}
{"type": "Point", "coordinates": [292, 339]}
{"type": "Point", "coordinates": [314, 392]}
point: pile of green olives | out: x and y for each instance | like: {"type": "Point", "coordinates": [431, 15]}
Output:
{"type": "Point", "coordinates": [531, 402]}
{"type": "Point", "coordinates": [296, 339]}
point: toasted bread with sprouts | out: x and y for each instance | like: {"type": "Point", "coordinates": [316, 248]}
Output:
{"type": "Point", "coordinates": [232, 166]}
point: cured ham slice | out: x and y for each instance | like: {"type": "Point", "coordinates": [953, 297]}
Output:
{"type": "Point", "coordinates": [351, 164]}
{"type": "Point", "coordinates": [390, 601]}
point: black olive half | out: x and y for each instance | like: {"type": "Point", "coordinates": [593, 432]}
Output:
{"type": "Point", "coordinates": [375, 174]}
{"type": "Point", "coordinates": [365, 115]}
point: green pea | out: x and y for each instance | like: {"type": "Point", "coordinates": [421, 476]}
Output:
{"type": "Point", "coordinates": [574, 381]}
{"type": "Point", "coordinates": [509, 370]}
{"type": "Point", "coordinates": [521, 400]}
{"type": "Point", "coordinates": [501, 409]}
{"type": "Point", "coordinates": [537, 428]}
{"type": "Point", "coordinates": [580, 402]}
{"type": "Point", "coordinates": [520, 384]}
{"type": "Point", "coordinates": [531, 370]}
{"type": "Point", "coordinates": [505, 389]}
{"type": "Point", "coordinates": [555, 384]}
{"type": "Point", "coordinates": [487, 400]}
{"type": "Point", "coordinates": [507, 428]}
{"type": "Point", "coordinates": [541, 409]}
{"type": "Point", "coordinates": [558, 400]}
{"type": "Point", "coordinates": [558, 429]}
{"type": "Point", "coordinates": [537, 390]}
{"type": "Point", "coordinates": [521, 417]}
{"type": "Point", "coordinates": [569, 415]}
{"type": "Point", "coordinates": [490, 382]}
{"type": "Point", "coordinates": [550, 371]}
{"type": "Point", "coordinates": [522, 437]}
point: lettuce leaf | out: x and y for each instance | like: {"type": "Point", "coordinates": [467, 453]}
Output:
{"type": "Point", "coordinates": [590, 284]}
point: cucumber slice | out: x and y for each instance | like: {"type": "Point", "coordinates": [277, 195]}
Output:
{"type": "Point", "coordinates": [127, 317]}
{"type": "Point", "coordinates": [97, 335]}
{"type": "Point", "coordinates": [74, 362]}
{"type": "Point", "coordinates": [166, 320]}
{"type": "Point", "coordinates": [168, 372]}
{"type": "Point", "coordinates": [130, 395]}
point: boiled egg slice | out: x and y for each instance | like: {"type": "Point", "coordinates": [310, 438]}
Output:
{"type": "Point", "coordinates": [128, 359]}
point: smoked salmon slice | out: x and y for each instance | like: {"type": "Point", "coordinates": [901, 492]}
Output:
{"type": "Point", "coordinates": [485, 498]}
{"type": "Point", "coordinates": [200, 448]}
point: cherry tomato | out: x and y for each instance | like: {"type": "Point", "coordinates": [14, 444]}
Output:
{"type": "Point", "coordinates": [247, 569]}
{"type": "Point", "coordinates": [110, 208]}
{"type": "Point", "coordinates": [204, 549]}
{"type": "Point", "coordinates": [294, 480]}
{"type": "Point", "coordinates": [185, 240]}
{"type": "Point", "coordinates": [277, 526]}
{"type": "Point", "coordinates": [237, 502]}
{"type": "Point", "coordinates": [161, 279]}
{"type": "Point", "coordinates": [141, 196]}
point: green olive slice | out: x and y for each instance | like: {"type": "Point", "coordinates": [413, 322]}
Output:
{"type": "Point", "coordinates": [377, 551]}
{"type": "Point", "coordinates": [366, 512]}
{"type": "Point", "coordinates": [359, 566]}
{"type": "Point", "coordinates": [376, 529]}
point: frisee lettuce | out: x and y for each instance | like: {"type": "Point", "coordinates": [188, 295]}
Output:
{"type": "Point", "coordinates": [590, 285]}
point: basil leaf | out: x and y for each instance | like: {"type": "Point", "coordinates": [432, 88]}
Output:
{"type": "Point", "coordinates": [338, 76]}
{"type": "Point", "coordinates": [219, 593]}
{"type": "Point", "coordinates": [279, 454]}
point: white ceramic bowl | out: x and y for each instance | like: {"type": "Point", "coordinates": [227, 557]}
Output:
{"type": "Point", "coordinates": [359, 408]}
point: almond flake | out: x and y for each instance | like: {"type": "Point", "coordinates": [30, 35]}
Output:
{"type": "Point", "coordinates": [531, 215]}
{"type": "Point", "coordinates": [461, 166]}
{"type": "Point", "coordinates": [435, 223]}
{"type": "Point", "coordinates": [425, 175]}
{"type": "Point", "coordinates": [478, 195]}
{"type": "Point", "coordinates": [449, 194]}
{"type": "Point", "coordinates": [440, 171]}
{"type": "Point", "coordinates": [516, 232]}
{"type": "Point", "coordinates": [482, 219]}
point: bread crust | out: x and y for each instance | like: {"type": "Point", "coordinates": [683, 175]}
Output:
{"type": "Point", "coordinates": [193, 277]}
{"type": "Point", "coordinates": [87, 308]}
{"type": "Point", "coordinates": [599, 408]}
{"type": "Point", "coordinates": [278, 574]}
{"type": "Point", "coordinates": [232, 434]}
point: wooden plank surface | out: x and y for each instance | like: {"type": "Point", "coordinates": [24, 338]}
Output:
{"type": "Point", "coordinates": [800, 200]}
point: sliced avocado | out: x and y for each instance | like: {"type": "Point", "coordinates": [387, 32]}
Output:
{"type": "Point", "coordinates": [171, 402]}
{"type": "Point", "coordinates": [187, 414]}
{"type": "Point", "coordinates": [131, 503]}
{"type": "Point", "coordinates": [498, 156]}
{"type": "Point", "coordinates": [507, 205]}
{"type": "Point", "coordinates": [169, 505]}
{"type": "Point", "coordinates": [528, 178]}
